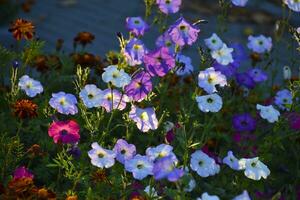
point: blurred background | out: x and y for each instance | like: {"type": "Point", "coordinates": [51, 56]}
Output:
{"type": "Point", "coordinates": [63, 19]}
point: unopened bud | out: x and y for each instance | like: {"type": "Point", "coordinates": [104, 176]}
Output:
{"type": "Point", "coordinates": [287, 73]}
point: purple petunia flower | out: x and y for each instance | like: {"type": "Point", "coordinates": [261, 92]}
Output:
{"type": "Point", "coordinates": [165, 41]}
{"type": "Point", "coordinates": [165, 168]}
{"type": "Point", "coordinates": [145, 119]}
{"type": "Point", "coordinates": [136, 25]}
{"type": "Point", "coordinates": [22, 172]}
{"type": "Point", "coordinates": [239, 53]}
{"type": "Point", "coordinates": [244, 79]}
{"type": "Point", "coordinates": [257, 75]}
{"type": "Point", "coordinates": [134, 52]}
{"type": "Point", "coordinates": [169, 6]}
{"type": "Point", "coordinates": [243, 122]}
{"type": "Point", "coordinates": [182, 33]}
{"type": "Point", "coordinates": [139, 87]}
{"type": "Point", "coordinates": [283, 99]}
{"type": "Point", "coordinates": [124, 151]}
{"type": "Point", "coordinates": [228, 70]}
{"type": "Point", "coordinates": [113, 99]}
{"type": "Point", "coordinates": [159, 62]}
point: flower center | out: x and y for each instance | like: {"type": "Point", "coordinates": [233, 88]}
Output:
{"type": "Point", "coordinates": [138, 85]}
{"type": "Point", "coordinates": [253, 164]}
{"type": "Point", "coordinates": [136, 47]}
{"type": "Point", "coordinates": [201, 163]}
{"type": "Point", "coordinates": [244, 123]}
{"type": "Point", "coordinates": [168, 1]}
{"type": "Point", "coordinates": [90, 96]}
{"type": "Point", "coordinates": [210, 100]}
{"type": "Point", "coordinates": [109, 97]}
{"type": "Point", "coordinates": [136, 21]}
{"type": "Point", "coordinates": [260, 42]}
{"type": "Point", "coordinates": [100, 154]}
{"type": "Point", "coordinates": [28, 85]}
{"type": "Point", "coordinates": [115, 74]}
{"type": "Point", "coordinates": [182, 27]}
{"type": "Point", "coordinates": [62, 101]}
{"type": "Point", "coordinates": [144, 116]}
{"type": "Point", "coordinates": [213, 41]}
{"type": "Point", "coordinates": [63, 132]}
{"type": "Point", "coordinates": [140, 166]}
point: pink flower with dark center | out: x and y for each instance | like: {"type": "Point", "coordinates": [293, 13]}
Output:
{"type": "Point", "coordinates": [22, 172]}
{"type": "Point", "coordinates": [64, 131]}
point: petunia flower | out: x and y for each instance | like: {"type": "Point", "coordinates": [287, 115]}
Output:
{"type": "Point", "coordinates": [254, 168]}
{"type": "Point", "coordinates": [203, 164]}
{"type": "Point", "coordinates": [168, 6]}
{"type": "Point", "coordinates": [260, 44]}
{"type": "Point", "coordinates": [240, 3]}
{"type": "Point", "coordinates": [283, 99]}
{"type": "Point", "coordinates": [209, 78]}
{"type": "Point", "coordinates": [165, 41]}
{"type": "Point", "coordinates": [134, 52]}
{"type": "Point", "coordinates": [159, 62]}
{"type": "Point", "coordinates": [161, 151]}
{"type": "Point", "coordinates": [91, 96]}
{"type": "Point", "coordinates": [64, 103]}
{"type": "Point", "coordinates": [139, 87]}
{"type": "Point", "coordinates": [66, 132]}
{"type": "Point", "coordinates": [145, 119]}
{"type": "Point", "coordinates": [257, 75]}
{"type": "Point", "coordinates": [214, 42]}
{"type": "Point", "coordinates": [183, 33]}
{"type": "Point", "coordinates": [22, 172]}
{"type": "Point", "coordinates": [186, 67]}
{"type": "Point", "coordinates": [118, 78]}
{"type": "Point", "coordinates": [136, 25]}
{"type": "Point", "coordinates": [113, 99]}
{"type": "Point", "coordinates": [268, 112]}
{"type": "Point", "coordinates": [294, 5]}
{"type": "Point", "coordinates": [30, 86]}
{"type": "Point", "coordinates": [165, 168]}
{"type": "Point", "coordinates": [232, 161]}
{"type": "Point", "coordinates": [209, 103]}
{"type": "Point", "coordinates": [124, 151]}
{"type": "Point", "coordinates": [243, 196]}
{"type": "Point", "coordinates": [243, 122]}
{"type": "Point", "coordinates": [100, 157]}
{"type": "Point", "coordinates": [206, 196]}
{"type": "Point", "coordinates": [244, 79]}
{"type": "Point", "coordinates": [139, 166]}
{"type": "Point", "coordinates": [223, 55]}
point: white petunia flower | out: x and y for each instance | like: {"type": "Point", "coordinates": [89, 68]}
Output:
{"type": "Point", "coordinates": [223, 55]}
{"type": "Point", "coordinates": [91, 96]}
{"type": "Point", "coordinates": [30, 86]}
{"type": "Point", "coordinates": [100, 157]}
{"type": "Point", "coordinates": [214, 42]}
{"type": "Point", "coordinates": [203, 164]}
{"type": "Point", "coordinates": [260, 44]}
{"type": "Point", "coordinates": [240, 3]}
{"type": "Point", "coordinates": [232, 161]}
{"type": "Point", "coordinates": [243, 196]}
{"type": "Point", "coordinates": [151, 192]}
{"type": "Point", "coordinates": [268, 112]}
{"type": "Point", "coordinates": [293, 4]}
{"type": "Point", "coordinates": [209, 103]}
{"type": "Point", "coordinates": [117, 77]}
{"type": "Point", "coordinates": [206, 196]}
{"type": "Point", "coordinates": [209, 78]}
{"type": "Point", "coordinates": [254, 168]}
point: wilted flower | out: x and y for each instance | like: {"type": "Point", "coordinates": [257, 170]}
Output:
{"type": "Point", "coordinates": [169, 6]}
{"type": "Point", "coordinates": [243, 122]}
{"type": "Point", "coordinates": [203, 164]}
{"type": "Point", "coordinates": [185, 63]}
{"type": "Point", "coordinates": [254, 168]}
{"type": "Point", "coordinates": [165, 168]}
{"type": "Point", "coordinates": [100, 157]}
{"type": "Point", "coordinates": [293, 5]}
{"type": "Point", "coordinates": [118, 78]}
{"type": "Point", "coordinates": [209, 78]}
{"type": "Point", "coordinates": [30, 86]}
{"type": "Point", "coordinates": [240, 3]}
{"type": "Point", "coordinates": [113, 99]}
{"type": "Point", "coordinates": [139, 166]}
{"type": "Point", "coordinates": [232, 161]}
{"type": "Point", "coordinates": [65, 132]}
{"type": "Point", "coordinates": [64, 103]}
{"type": "Point", "coordinates": [22, 172]}
{"type": "Point", "coordinates": [136, 25]}
{"type": "Point", "coordinates": [159, 62]}
{"type": "Point", "coordinates": [25, 108]}
{"type": "Point", "coordinates": [268, 112]}
{"type": "Point", "coordinates": [257, 75]}
{"type": "Point", "coordinates": [209, 103]}
{"type": "Point", "coordinates": [22, 28]}
{"type": "Point", "coordinates": [134, 52]}
{"type": "Point", "coordinates": [243, 196]}
{"type": "Point", "coordinates": [214, 42]}
{"type": "Point", "coordinates": [84, 38]}
{"type": "Point", "coordinates": [183, 33]}
{"type": "Point", "coordinates": [124, 151]}
{"type": "Point", "coordinates": [139, 87]}
{"type": "Point", "coordinates": [206, 196]}
{"type": "Point", "coordinates": [145, 119]}
{"type": "Point", "coordinates": [91, 96]}
{"type": "Point", "coordinates": [223, 55]}
{"type": "Point", "coordinates": [260, 44]}
{"type": "Point", "coordinates": [283, 99]}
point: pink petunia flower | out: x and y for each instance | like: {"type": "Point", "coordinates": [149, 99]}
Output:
{"type": "Point", "coordinates": [22, 172]}
{"type": "Point", "coordinates": [64, 131]}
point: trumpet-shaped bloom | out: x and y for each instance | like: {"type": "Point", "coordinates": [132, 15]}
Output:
{"type": "Point", "coordinates": [165, 168]}
{"type": "Point", "coordinates": [244, 79]}
{"type": "Point", "coordinates": [65, 132]}
{"type": "Point", "coordinates": [293, 5]}
{"type": "Point", "coordinates": [100, 157]}
{"type": "Point", "coordinates": [30, 86]}
{"type": "Point", "coordinates": [243, 196]}
{"type": "Point", "coordinates": [268, 112]}
{"type": "Point", "coordinates": [186, 67]}
{"type": "Point", "coordinates": [283, 98]}
{"type": "Point", "coordinates": [232, 161]}
{"type": "Point", "coordinates": [165, 41]}
{"type": "Point", "coordinates": [203, 164]}
{"type": "Point", "coordinates": [209, 78]}
{"type": "Point", "coordinates": [124, 151]}
{"type": "Point", "coordinates": [206, 196]}
{"type": "Point", "coordinates": [139, 166]}
{"type": "Point", "coordinates": [91, 96]}
{"type": "Point", "coordinates": [139, 87]}
{"type": "Point", "coordinates": [134, 52]}
{"type": "Point", "coordinates": [223, 55]}
{"type": "Point", "coordinates": [159, 62]}
{"type": "Point", "coordinates": [209, 103]}
{"type": "Point", "coordinates": [145, 119]}
{"type": "Point", "coordinates": [260, 44]}
{"type": "Point", "coordinates": [136, 25]}
{"type": "Point", "coordinates": [113, 99]}
{"type": "Point", "coordinates": [243, 122]}
{"type": "Point", "coordinates": [214, 42]}
{"type": "Point", "coordinates": [240, 3]}
{"type": "Point", "coordinates": [254, 168]}
{"type": "Point", "coordinates": [257, 75]}
{"type": "Point", "coordinates": [161, 151]}
{"type": "Point", "coordinates": [168, 6]}
{"type": "Point", "coordinates": [64, 103]}
{"type": "Point", "coordinates": [117, 77]}
{"type": "Point", "coordinates": [183, 33]}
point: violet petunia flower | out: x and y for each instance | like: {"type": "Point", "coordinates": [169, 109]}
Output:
{"type": "Point", "coordinates": [165, 168]}
{"type": "Point", "coordinates": [183, 33]}
{"type": "Point", "coordinates": [168, 6]}
{"type": "Point", "coordinates": [244, 79]}
{"type": "Point", "coordinates": [124, 151]}
{"type": "Point", "coordinates": [283, 99]}
{"type": "Point", "coordinates": [145, 119]}
{"type": "Point", "coordinates": [159, 62]}
{"type": "Point", "coordinates": [257, 75]}
{"type": "Point", "coordinates": [139, 87]}
{"type": "Point", "coordinates": [243, 122]}
{"type": "Point", "coordinates": [228, 70]}
{"type": "Point", "coordinates": [134, 52]}
{"type": "Point", "coordinates": [165, 41]}
{"type": "Point", "coordinates": [136, 25]}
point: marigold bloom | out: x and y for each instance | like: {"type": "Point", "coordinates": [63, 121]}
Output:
{"type": "Point", "coordinates": [22, 28]}
{"type": "Point", "coordinates": [84, 38]}
{"type": "Point", "coordinates": [25, 108]}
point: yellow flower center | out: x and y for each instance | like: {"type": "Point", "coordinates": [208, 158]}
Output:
{"type": "Point", "coordinates": [144, 116]}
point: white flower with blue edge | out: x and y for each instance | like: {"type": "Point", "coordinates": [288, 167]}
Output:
{"type": "Point", "coordinates": [30, 86]}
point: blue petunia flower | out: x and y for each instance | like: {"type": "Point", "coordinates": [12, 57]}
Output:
{"type": "Point", "coordinates": [30, 86]}
{"type": "Point", "coordinates": [139, 166]}
{"type": "Point", "coordinates": [64, 103]}
{"type": "Point", "coordinates": [91, 96]}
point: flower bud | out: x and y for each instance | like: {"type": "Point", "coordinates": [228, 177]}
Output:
{"type": "Point", "coordinates": [15, 64]}
{"type": "Point", "coordinates": [287, 73]}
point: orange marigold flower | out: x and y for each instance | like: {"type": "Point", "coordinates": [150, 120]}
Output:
{"type": "Point", "coordinates": [72, 197]}
{"type": "Point", "coordinates": [45, 194]}
{"type": "Point", "coordinates": [84, 38]}
{"type": "Point", "coordinates": [25, 108]}
{"type": "Point", "coordinates": [22, 29]}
